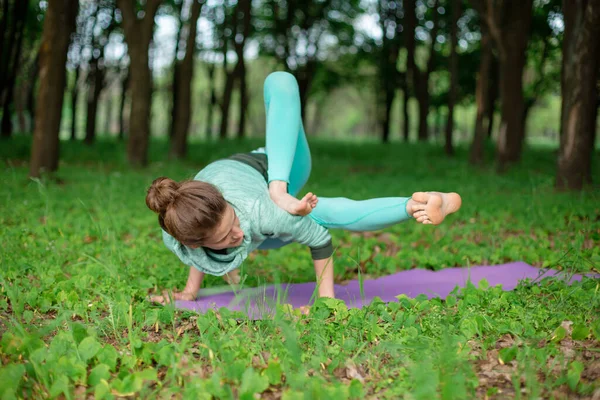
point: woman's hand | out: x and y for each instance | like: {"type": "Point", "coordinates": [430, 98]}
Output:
{"type": "Point", "coordinates": [166, 299]}
{"type": "Point", "coordinates": [304, 310]}
{"type": "Point", "coordinates": [190, 292]}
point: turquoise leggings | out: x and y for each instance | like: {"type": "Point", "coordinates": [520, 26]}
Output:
{"type": "Point", "coordinates": [289, 160]}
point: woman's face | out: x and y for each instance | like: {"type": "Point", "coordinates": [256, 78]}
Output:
{"type": "Point", "coordinates": [228, 234]}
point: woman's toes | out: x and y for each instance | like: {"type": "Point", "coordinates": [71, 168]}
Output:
{"type": "Point", "coordinates": [418, 207]}
{"type": "Point", "coordinates": [422, 218]}
{"type": "Point", "coordinates": [419, 214]}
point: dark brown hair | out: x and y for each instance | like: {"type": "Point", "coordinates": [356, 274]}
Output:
{"type": "Point", "coordinates": [189, 211]}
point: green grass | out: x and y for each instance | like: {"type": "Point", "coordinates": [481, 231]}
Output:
{"type": "Point", "coordinates": [81, 253]}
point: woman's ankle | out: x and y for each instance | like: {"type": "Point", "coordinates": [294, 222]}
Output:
{"type": "Point", "coordinates": [277, 188]}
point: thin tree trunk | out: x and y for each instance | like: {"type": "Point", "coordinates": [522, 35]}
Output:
{"type": "Point", "coordinates": [456, 11]}
{"type": "Point", "coordinates": [4, 6]}
{"type": "Point", "coordinates": [138, 33]}
{"type": "Point", "coordinates": [94, 91]}
{"type": "Point", "coordinates": [212, 103]}
{"type": "Point", "coordinates": [482, 94]}
{"type": "Point", "coordinates": [225, 103]}
{"type": "Point", "coordinates": [494, 92]}
{"type": "Point", "coordinates": [124, 88]}
{"type": "Point", "coordinates": [420, 78]}
{"type": "Point", "coordinates": [246, 8]}
{"type": "Point", "coordinates": [31, 90]}
{"type": "Point", "coordinates": [175, 84]}
{"type": "Point", "coordinates": [74, 98]}
{"type": "Point", "coordinates": [6, 43]}
{"type": "Point", "coordinates": [405, 102]}
{"type": "Point", "coordinates": [108, 115]}
{"type": "Point", "coordinates": [181, 122]}
{"type": "Point", "coordinates": [581, 61]}
{"type": "Point", "coordinates": [59, 23]}
{"type": "Point", "coordinates": [243, 100]}
{"type": "Point", "coordinates": [19, 24]}
{"type": "Point", "coordinates": [387, 113]}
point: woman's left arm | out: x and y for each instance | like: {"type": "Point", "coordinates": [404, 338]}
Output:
{"type": "Point", "coordinates": [324, 272]}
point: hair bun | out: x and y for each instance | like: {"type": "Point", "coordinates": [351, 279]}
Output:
{"type": "Point", "coordinates": [161, 194]}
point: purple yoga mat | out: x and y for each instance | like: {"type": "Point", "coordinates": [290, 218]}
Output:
{"type": "Point", "coordinates": [259, 302]}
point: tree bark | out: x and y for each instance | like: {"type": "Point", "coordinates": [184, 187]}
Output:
{"type": "Point", "coordinates": [212, 102]}
{"type": "Point", "coordinates": [581, 61]}
{"type": "Point", "coordinates": [20, 16]}
{"type": "Point", "coordinates": [482, 94]}
{"type": "Point", "coordinates": [509, 25]}
{"type": "Point", "coordinates": [452, 95]}
{"type": "Point", "coordinates": [94, 90]}
{"type": "Point", "coordinates": [74, 98]}
{"type": "Point", "coordinates": [405, 101]}
{"type": "Point", "coordinates": [420, 78]}
{"type": "Point", "coordinates": [181, 123]}
{"type": "Point", "coordinates": [124, 88]}
{"type": "Point", "coordinates": [109, 112]}
{"type": "Point", "coordinates": [226, 102]}
{"type": "Point", "coordinates": [175, 84]}
{"type": "Point", "coordinates": [246, 17]}
{"type": "Point", "coordinates": [228, 75]}
{"type": "Point", "coordinates": [493, 95]}
{"type": "Point", "coordinates": [59, 23]}
{"type": "Point", "coordinates": [138, 33]}
{"type": "Point", "coordinates": [31, 89]}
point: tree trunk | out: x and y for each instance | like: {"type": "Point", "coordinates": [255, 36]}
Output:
{"type": "Point", "coordinates": [420, 78]}
{"type": "Point", "coordinates": [74, 98]}
{"type": "Point", "coordinates": [59, 23]}
{"type": "Point", "coordinates": [243, 100]}
{"type": "Point", "coordinates": [94, 91]}
{"type": "Point", "coordinates": [124, 88]}
{"type": "Point", "coordinates": [405, 101]}
{"type": "Point", "coordinates": [422, 95]}
{"type": "Point", "coordinates": [494, 91]}
{"type": "Point", "coordinates": [19, 24]}
{"type": "Point", "coordinates": [138, 33]}
{"type": "Point", "coordinates": [175, 84]}
{"type": "Point", "coordinates": [108, 115]}
{"type": "Point", "coordinates": [511, 134]}
{"type": "Point", "coordinates": [226, 103]}
{"type": "Point", "coordinates": [581, 60]}
{"type": "Point", "coordinates": [181, 123]}
{"type": "Point", "coordinates": [387, 113]}
{"type": "Point", "coordinates": [511, 34]}
{"type": "Point", "coordinates": [6, 43]}
{"type": "Point", "coordinates": [31, 91]}
{"type": "Point", "coordinates": [246, 8]}
{"type": "Point", "coordinates": [212, 102]}
{"type": "Point", "coordinates": [452, 95]}
{"type": "Point", "coordinates": [482, 94]}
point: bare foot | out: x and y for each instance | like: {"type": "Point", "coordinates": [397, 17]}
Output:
{"type": "Point", "coordinates": [166, 297]}
{"type": "Point", "coordinates": [433, 207]}
{"type": "Point", "coordinates": [287, 202]}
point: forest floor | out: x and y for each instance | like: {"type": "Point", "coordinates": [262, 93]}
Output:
{"type": "Point", "coordinates": [80, 253]}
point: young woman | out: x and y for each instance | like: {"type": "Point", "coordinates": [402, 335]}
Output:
{"type": "Point", "coordinates": [248, 201]}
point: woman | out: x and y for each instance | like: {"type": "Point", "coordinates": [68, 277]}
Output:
{"type": "Point", "coordinates": [247, 202]}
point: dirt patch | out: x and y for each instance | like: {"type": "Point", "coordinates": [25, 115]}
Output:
{"type": "Point", "coordinates": [496, 377]}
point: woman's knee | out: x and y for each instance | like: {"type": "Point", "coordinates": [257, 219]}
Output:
{"type": "Point", "coordinates": [282, 81]}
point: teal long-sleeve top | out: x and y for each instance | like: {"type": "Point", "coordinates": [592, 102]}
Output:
{"type": "Point", "coordinates": [246, 190]}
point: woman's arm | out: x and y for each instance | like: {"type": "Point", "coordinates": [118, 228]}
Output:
{"type": "Point", "coordinates": [193, 284]}
{"type": "Point", "coordinates": [324, 272]}
{"type": "Point", "coordinates": [190, 292]}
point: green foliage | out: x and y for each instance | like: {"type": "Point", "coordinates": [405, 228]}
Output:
{"type": "Point", "coordinates": [81, 255]}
